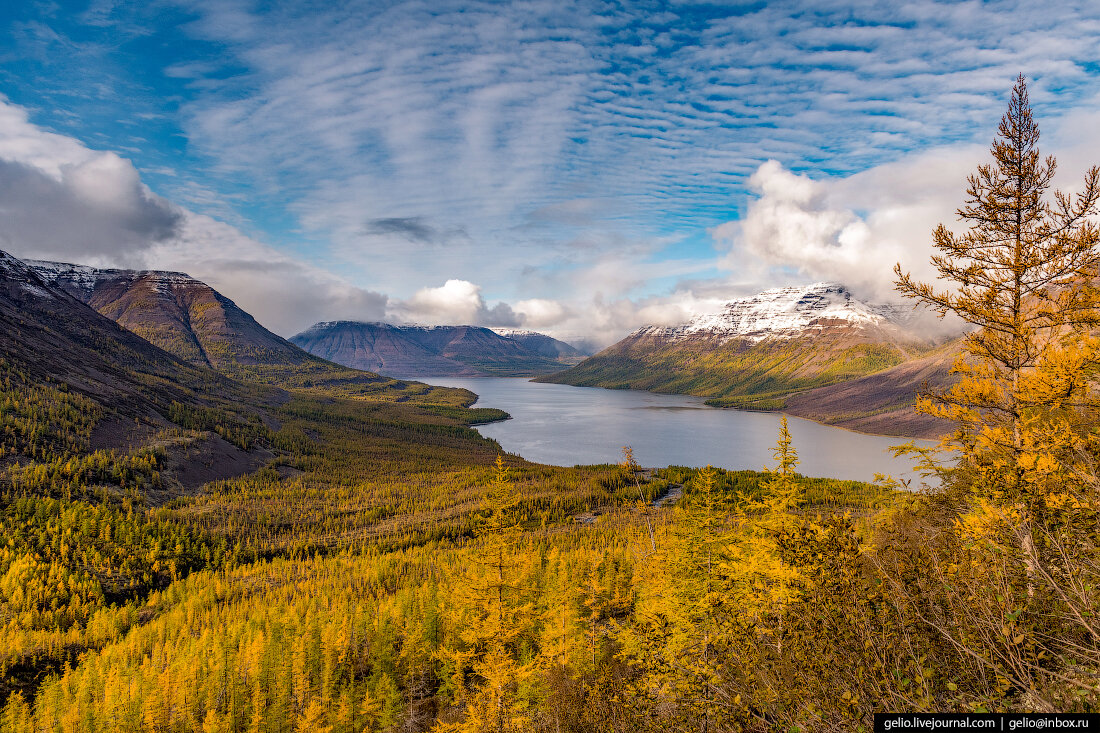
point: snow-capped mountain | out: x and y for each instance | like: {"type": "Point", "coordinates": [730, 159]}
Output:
{"type": "Point", "coordinates": [785, 313]}
{"type": "Point", "coordinates": [755, 352]}
{"type": "Point", "coordinates": [540, 343]}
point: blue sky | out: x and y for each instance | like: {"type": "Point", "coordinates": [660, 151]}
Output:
{"type": "Point", "coordinates": [576, 167]}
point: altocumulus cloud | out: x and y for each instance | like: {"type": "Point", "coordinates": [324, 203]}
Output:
{"type": "Point", "coordinates": [64, 201]}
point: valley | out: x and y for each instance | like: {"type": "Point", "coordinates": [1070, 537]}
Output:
{"type": "Point", "coordinates": [169, 528]}
{"type": "Point", "coordinates": [454, 367]}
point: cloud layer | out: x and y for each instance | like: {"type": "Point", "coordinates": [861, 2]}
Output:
{"type": "Point", "coordinates": [581, 167]}
{"type": "Point", "coordinates": [61, 200]}
{"type": "Point", "coordinates": [416, 142]}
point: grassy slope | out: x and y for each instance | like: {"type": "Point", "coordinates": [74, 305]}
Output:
{"type": "Point", "coordinates": [882, 403]}
{"type": "Point", "coordinates": [737, 373]}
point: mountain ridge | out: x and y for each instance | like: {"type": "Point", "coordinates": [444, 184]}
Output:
{"type": "Point", "coordinates": [756, 352]}
{"type": "Point", "coordinates": [786, 312]}
{"type": "Point", "coordinates": [176, 311]}
{"type": "Point", "coordinates": [200, 325]}
{"type": "Point", "coordinates": [428, 351]}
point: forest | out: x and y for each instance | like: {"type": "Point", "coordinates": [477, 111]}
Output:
{"type": "Point", "coordinates": [388, 569]}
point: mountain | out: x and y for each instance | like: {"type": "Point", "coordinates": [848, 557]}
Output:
{"type": "Point", "coordinates": [182, 315]}
{"type": "Point", "coordinates": [788, 313]}
{"type": "Point", "coordinates": [882, 402]}
{"type": "Point", "coordinates": [52, 336]}
{"type": "Point", "coordinates": [73, 381]}
{"type": "Point", "coordinates": [427, 351]}
{"type": "Point", "coordinates": [756, 351]}
{"type": "Point", "coordinates": [188, 318]}
{"type": "Point", "coordinates": [541, 344]}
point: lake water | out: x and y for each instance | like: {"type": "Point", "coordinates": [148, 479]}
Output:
{"type": "Point", "coordinates": [565, 426]}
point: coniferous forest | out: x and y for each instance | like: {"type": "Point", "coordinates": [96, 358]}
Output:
{"type": "Point", "coordinates": [385, 568]}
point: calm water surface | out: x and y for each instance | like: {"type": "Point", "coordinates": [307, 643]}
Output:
{"type": "Point", "coordinates": [566, 426]}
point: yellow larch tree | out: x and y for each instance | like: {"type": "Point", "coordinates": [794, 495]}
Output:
{"type": "Point", "coordinates": [763, 582]}
{"type": "Point", "coordinates": [682, 614]}
{"type": "Point", "coordinates": [1024, 275]}
{"type": "Point", "coordinates": [490, 595]}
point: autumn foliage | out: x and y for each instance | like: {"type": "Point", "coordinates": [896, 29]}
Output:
{"type": "Point", "coordinates": [391, 570]}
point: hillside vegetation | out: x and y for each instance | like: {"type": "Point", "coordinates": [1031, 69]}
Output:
{"type": "Point", "coordinates": [385, 568]}
{"type": "Point", "coordinates": [735, 373]}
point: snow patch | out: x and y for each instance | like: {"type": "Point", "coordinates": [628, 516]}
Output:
{"type": "Point", "coordinates": [784, 313]}
{"type": "Point", "coordinates": [24, 276]}
{"type": "Point", "coordinates": [86, 278]}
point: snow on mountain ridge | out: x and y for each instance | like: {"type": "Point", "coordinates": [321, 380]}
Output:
{"type": "Point", "coordinates": [22, 274]}
{"type": "Point", "coordinates": [513, 332]}
{"type": "Point", "coordinates": [86, 276]}
{"type": "Point", "coordinates": [82, 280]}
{"type": "Point", "coordinates": [784, 313]}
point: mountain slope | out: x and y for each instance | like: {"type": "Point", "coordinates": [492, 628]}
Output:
{"type": "Point", "coordinates": [180, 314]}
{"type": "Point", "coordinates": [412, 351]}
{"type": "Point", "coordinates": [756, 351]}
{"type": "Point", "coordinates": [75, 381]}
{"type": "Point", "coordinates": [541, 344]}
{"type": "Point", "coordinates": [883, 402]}
{"type": "Point", "coordinates": [196, 323]}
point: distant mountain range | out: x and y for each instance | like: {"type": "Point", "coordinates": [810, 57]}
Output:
{"type": "Point", "coordinates": [191, 320]}
{"type": "Point", "coordinates": [785, 348]}
{"type": "Point", "coordinates": [436, 351]}
{"type": "Point", "coordinates": [817, 352]}
{"type": "Point", "coordinates": [541, 344]}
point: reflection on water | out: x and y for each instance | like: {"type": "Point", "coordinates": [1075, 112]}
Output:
{"type": "Point", "coordinates": [565, 426]}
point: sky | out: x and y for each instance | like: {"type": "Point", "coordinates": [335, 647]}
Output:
{"type": "Point", "coordinates": [575, 167]}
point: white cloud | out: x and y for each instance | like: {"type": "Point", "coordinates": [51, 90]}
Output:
{"type": "Point", "coordinates": [23, 142]}
{"type": "Point", "coordinates": [456, 302]}
{"type": "Point", "coordinates": [851, 230]}
{"type": "Point", "coordinates": [61, 200]}
{"type": "Point", "coordinates": [541, 312]}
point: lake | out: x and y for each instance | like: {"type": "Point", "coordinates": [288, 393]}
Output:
{"type": "Point", "coordinates": [565, 426]}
